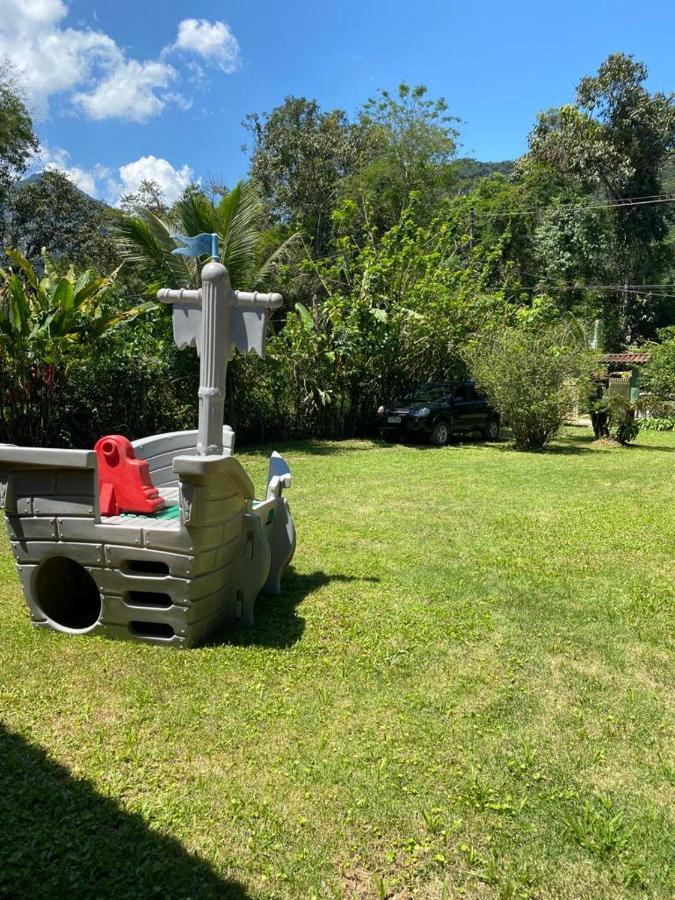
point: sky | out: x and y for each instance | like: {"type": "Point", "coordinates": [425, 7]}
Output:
{"type": "Point", "coordinates": [122, 90]}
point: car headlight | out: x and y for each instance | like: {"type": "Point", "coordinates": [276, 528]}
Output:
{"type": "Point", "coordinates": [420, 413]}
{"type": "Point", "coordinates": [380, 410]}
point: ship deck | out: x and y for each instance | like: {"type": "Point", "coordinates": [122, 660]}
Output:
{"type": "Point", "coordinates": [166, 519]}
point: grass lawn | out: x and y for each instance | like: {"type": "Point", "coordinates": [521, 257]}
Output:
{"type": "Point", "coordinates": [467, 689]}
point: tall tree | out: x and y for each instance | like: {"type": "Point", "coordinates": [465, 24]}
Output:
{"type": "Point", "coordinates": [414, 142]}
{"type": "Point", "coordinates": [144, 239]}
{"type": "Point", "coordinates": [614, 142]}
{"type": "Point", "coordinates": [49, 211]}
{"type": "Point", "coordinates": [148, 196]}
{"type": "Point", "coordinates": [17, 139]}
{"type": "Point", "coordinates": [300, 155]}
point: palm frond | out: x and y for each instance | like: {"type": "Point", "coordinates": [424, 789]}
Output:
{"type": "Point", "coordinates": [197, 214]}
{"type": "Point", "coordinates": [240, 214]}
{"type": "Point", "coordinates": [145, 243]}
{"type": "Point", "coordinates": [279, 257]}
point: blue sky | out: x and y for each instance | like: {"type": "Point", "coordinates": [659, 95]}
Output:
{"type": "Point", "coordinates": [140, 88]}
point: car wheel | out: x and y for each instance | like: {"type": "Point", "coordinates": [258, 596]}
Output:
{"type": "Point", "coordinates": [491, 430]}
{"type": "Point", "coordinates": [439, 436]}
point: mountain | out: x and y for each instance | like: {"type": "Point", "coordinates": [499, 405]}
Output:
{"type": "Point", "coordinates": [469, 172]}
{"type": "Point", "coordinates": [37, 177]}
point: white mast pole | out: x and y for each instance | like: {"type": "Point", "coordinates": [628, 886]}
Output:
{"type": "Point", "coordinates": [215, 341]}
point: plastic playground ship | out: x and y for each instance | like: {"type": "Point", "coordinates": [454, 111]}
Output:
{"type": "Point", "coordinates": [160, 539]}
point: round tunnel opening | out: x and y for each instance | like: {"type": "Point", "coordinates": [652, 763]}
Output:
{"type": "Point", "coordinates": [67, 594]}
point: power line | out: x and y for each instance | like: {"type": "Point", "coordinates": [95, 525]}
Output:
{"type": "Point", "coordinates": [619, 203]}
{"type": "Point", "coordinates": [628, 289]}
{"type": "Point", "coordinates": [613, 287]}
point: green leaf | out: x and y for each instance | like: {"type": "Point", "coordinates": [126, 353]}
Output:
{"type": "Point", "coordinates": [61, 320]}
{"type": "Point", "coordinates": [88, 287]}
{"type": "Point", "coordinates": [305, 317]}
{"type": "Point", "coordinates": [19, 309]}
{"type": "Point", "coordinates": [105, 324]}
{"type": "Point", "coordinates": [19, 260]}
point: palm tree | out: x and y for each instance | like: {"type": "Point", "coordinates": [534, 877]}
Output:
{"type": "Point", "coordinates": [145, 242]}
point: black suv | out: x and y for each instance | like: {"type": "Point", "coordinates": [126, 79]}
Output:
{"type": "Point", "coordinates": [437, 410]}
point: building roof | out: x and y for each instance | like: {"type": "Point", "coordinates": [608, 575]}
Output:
{"type": "Point", "coordinates": [628, 357]}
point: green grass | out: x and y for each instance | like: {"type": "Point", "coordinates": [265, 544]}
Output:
{"type": "Point", "coordinates": [467, 688]}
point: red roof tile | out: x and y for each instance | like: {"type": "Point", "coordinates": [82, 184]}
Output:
{"type": "Point", "coordinates": [627, 357]}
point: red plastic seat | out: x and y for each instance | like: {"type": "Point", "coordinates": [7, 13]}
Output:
{"type": "Point", "coordinates": [124, 483]}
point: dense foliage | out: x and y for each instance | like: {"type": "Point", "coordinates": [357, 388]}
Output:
{"type": "Point", "coordinates": [17, 139]}
{"type": "Point", "coordinates": [533, 376]}
{"type": "Point", "coordinates": [393, 258]}
{"type": "Point", "coordinates": [659, 374]}
{"type": "Point", "coordinates": [615, 417]}
{"type": "Point", "coordinates": [48, 322]}
{"type": "Point", "coordinates": [613, 143]}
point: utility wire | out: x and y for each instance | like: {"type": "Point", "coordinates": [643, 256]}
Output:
{"type": "Point", "coordinates": [613, 287]}
{"type": "Point", "coordinates": [632, 289]}
{"type": "Point", "coordinates": [619, 203]}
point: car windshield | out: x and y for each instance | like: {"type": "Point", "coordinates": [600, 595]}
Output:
{"type": "Point", "coordinates": [429, 393]}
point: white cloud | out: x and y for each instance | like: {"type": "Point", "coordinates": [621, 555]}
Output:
{"type": "Point", "coordinates": [82, 179]}
{"type": "Point", "coordinates": [129, 92]}
{"type": "Point", "coordinates": [49, 159]}
{"type": "Point", "coordinates": [213, 41]}
{"type": "Point", "coordinates": [54, 60]}
{"type": "Point", "coordinates": [38, 12]}
{"type": "Point", "coordinates": [178, 100]}
{"type": "Point", "coordinates": [171, 181]}
{"type": "Point", "coordinates": [110, 184]}
{"type": "Point", "coordinates": [51, 59]}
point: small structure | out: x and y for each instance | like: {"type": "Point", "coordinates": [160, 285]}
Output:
{"type": "Point", "coordinates": [161, 539]}
{"type": "Point", "coordinates": [622, 378]}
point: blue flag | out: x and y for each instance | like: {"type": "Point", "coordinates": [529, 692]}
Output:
{"type": "Point", "coordinates": [199, 245]}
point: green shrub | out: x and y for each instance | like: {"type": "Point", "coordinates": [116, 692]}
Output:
{"type": "Point", "coordinates": [116, 391]}
{"type": "Point", "coordinates": [615, 417]}
{"type": "Point", "coordinates": [49, 321]}
{"type": "Point", "coordinates": [658, 375]}
{"type": "Point", "coordinates": [658, 423]}
{"type": "Point", "coordinates": [532, 376]}
{"type": "Point", "coordinates": [259, 400]}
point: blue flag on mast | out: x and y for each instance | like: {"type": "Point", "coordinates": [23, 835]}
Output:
{"type": "Point", "coordinates": [198, 245]}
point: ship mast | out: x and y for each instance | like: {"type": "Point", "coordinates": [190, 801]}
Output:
{"type": "Point", "coordinates": [216, 319]}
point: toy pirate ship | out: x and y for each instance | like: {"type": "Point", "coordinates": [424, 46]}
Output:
{"type": "Point", "coordinates": [161, 539]}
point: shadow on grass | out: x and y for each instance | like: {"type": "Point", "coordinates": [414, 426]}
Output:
{"type": "Point", "coordinates": [277, 623]}
{"type": "Point", "coordinates": [455, 442]}
{"type": "Point", "coordinates": [311, 447]}
{"type": "Point", "coordinates": [566, 445]}
{"type": "Point", "coordinates": [60, 838]}
{"type": "Point", "coordinates": [649, 447]}
{"type": "Point", "coordinates": [572, 447]}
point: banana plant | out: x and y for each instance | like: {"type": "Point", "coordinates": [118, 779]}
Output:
{"type": "Point", "coordinates": [43, 320]}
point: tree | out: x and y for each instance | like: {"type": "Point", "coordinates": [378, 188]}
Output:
{"type": "Point", "coordinates": [414, 141]}
{"type": "Point", "coordinates": [614, 143]}
{"type": "Point", "coordinates": [149, 196]}
{"type": "Point", "coordinates": [145, 239]}
{"type": "Point", "coordinates": [300, 156]}
{"type": "Point", "coordinates": [396, 309]}
{"type": "Point", "coordinates": [17, 139]}
{"type": "Point", "coordinates": [49, 211]}
{"type": "Point", "coordinates": [530, 376]}
{"type": "Point", "coordinates": [658, 375]}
